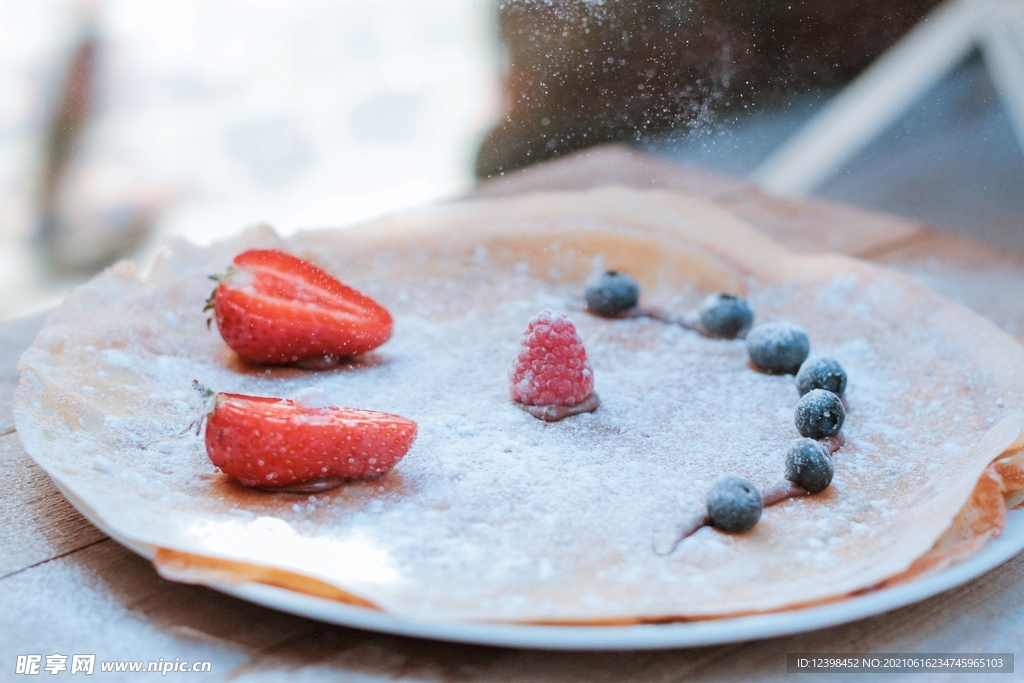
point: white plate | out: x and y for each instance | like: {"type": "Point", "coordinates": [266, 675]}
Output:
{"type": "Point", "coordinates": [640, 637]}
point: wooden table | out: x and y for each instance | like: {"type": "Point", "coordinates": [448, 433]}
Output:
{"type": "Point", "coordinates": [66, 588]}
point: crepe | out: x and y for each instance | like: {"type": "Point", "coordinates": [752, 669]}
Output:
{"type": "Point", "coordinates": [496, 516]}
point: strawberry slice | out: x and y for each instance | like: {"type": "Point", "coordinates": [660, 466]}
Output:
{"type": "Point", "coordinates": [278, 444]}
{"type": "Point", "coordinates": [272, 307]}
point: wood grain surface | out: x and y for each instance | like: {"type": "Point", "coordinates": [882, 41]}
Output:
{"type": "Point", "coordinates": [65, 588]}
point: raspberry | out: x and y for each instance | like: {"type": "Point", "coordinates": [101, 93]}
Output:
{"type": "Point", "coordinates": [552, 366]}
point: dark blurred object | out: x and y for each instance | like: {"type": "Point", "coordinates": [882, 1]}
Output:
{"type": "Point", "coordinates": [70, 118]}
{"type": "Point", "coordinates": [78, 233]}
{"type": "Point", "coordinates": [580, 72]}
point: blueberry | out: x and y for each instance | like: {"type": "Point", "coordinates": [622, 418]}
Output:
{"type": "Point", "coordinates": [819, 414]}
{"type": "Point", "coordinates": [725, 315]}
{"type": "Point", "coordinates": [821, 372]}
{"type": "Point", "coordinates": [809, 465]}
{"type": "Point", "coordinates": [778, 348]}
{"type": "Point", "coordinates": [612, 293]}
{"type": "Point", "coordinates": [734, 504]}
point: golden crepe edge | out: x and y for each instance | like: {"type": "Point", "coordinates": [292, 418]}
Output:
{"type": "Point", "coordinates": [982, 515]}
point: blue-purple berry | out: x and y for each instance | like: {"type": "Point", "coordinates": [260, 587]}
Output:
{"type": "Point", "coordinates": [809, 465]}
{"type": "Point", "coordinates": [734, 504]}
{"type": "Point", "coordinates": [821, 372]}
{"type": "Point", "coordinates": [612, 293]}
{"type": "Point", "coordinates": [726, 316]}
{"type": "Point", "coordinates": [819, 414]}
{"type": "Point", "coordinates": [779, 348]}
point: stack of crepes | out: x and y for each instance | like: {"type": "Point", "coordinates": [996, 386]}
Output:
{"type": "Point", "coordinates": [496, 516]}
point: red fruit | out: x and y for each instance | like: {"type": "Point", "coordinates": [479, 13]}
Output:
{"type": "Point", "coordinates": [272, 443]}
{"type": "Point", "coordinates": [273, 307]}
{"type": "Point", "coordinates": [552, 366]}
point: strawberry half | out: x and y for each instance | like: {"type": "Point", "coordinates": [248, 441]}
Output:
{"type": "Point", "coordinates": [272, 307]}
{"type": "Point", "coordinates": [277, 444]}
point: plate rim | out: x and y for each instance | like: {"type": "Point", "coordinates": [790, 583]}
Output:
{"type": "Point", "coordinates": [679, 634]}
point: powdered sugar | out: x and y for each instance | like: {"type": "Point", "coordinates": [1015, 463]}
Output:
{"type": "Point", "coordinates": [494, 514]}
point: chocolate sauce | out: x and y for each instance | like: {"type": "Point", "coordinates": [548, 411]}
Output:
{"type": "Point", "coordinates": [776, 493]}
{"type": "Point", "coordinates": [553, 413]}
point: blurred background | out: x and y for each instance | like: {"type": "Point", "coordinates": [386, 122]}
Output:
{"type": "Point", "coordinates": [124, 122]}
